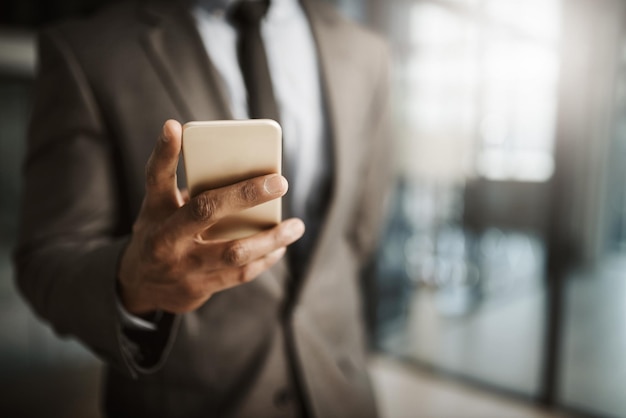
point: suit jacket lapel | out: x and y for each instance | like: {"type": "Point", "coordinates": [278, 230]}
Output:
{"type": "Point", "coordinates": [336, 72]}
{"type": "Point", "coordinates": [176, 50]}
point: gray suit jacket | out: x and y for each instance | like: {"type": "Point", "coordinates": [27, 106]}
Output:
{"type": "Point", "coordinates": [105, 87]}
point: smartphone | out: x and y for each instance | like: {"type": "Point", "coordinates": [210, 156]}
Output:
{"type": "Point", "coordinates": [221, 153]}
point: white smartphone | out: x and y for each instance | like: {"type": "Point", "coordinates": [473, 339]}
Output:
{"type": "Point", "coordinates": [221, 153]}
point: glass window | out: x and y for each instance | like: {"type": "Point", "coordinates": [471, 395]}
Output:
{"type": "Point", "coordinates": [476, 86]}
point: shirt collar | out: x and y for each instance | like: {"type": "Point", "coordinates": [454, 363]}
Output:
{"type": "Point", "coordinates": [279, 9]}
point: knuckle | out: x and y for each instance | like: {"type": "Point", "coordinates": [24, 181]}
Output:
{"type": "Point", "coordinates": [248, 192]}
{"type": "Point", "coordinates": [203, 207]}
{"type": "Point", "coordinates": [243, 275]}
{"type": "Point", "coordinates": [236, 254]}
{"type": "Point", "coordinates": [221, 281]}
{"type": "Point", "coordinates": [160, 148]}
{"type": "Point", "coordinates": [156, 249]}
{"type": "Point", "coordinates": [194, 261]}
{"type": "Point", "coordinates": [191, 290]}
{"type": "Point", "coordinates": [151, 177]}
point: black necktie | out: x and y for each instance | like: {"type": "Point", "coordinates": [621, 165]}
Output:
{"type": "Point", "coordinates": [246, 17]}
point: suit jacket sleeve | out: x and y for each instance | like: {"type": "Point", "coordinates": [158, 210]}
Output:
{"type": "Point", "coordinates": [71, 236]}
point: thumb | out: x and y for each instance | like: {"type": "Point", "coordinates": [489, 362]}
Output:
{"type": "Point", "coordinates": [161, 167]}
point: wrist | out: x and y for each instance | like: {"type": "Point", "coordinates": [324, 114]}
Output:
{"type": "Point", "coordinates": [129, 288]}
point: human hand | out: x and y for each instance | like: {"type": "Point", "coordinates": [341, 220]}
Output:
{"type": "Point", "coordinates": [167, 265]}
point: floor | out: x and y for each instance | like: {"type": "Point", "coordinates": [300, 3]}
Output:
{"type": "Point", "coordinates": [410, 393]}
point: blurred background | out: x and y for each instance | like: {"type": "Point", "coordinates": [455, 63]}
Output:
{"type": "Point", "coordinates": [502, 274]}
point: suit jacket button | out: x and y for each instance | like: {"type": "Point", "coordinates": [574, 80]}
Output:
{"type": "Point", "coordinates": [282, 398]}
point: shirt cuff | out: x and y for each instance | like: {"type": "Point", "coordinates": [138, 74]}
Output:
{"type": "Point", "coordinates": [134, 322]}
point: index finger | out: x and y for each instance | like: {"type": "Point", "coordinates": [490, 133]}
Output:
{"type": "Point", "coordinates": [207, 208]}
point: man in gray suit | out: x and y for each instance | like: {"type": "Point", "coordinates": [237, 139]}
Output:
{"type": "Point", "coordinates": [110, 255]}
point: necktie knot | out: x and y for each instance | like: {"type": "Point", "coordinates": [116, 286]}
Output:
{"type": "Point", "coordinates": [246, 13]}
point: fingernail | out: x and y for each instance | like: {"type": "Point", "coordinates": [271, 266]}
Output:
{"type": "Point", "coordinates": [274, 184]}
{"type": "Point", "coordinates": [164, 136]}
